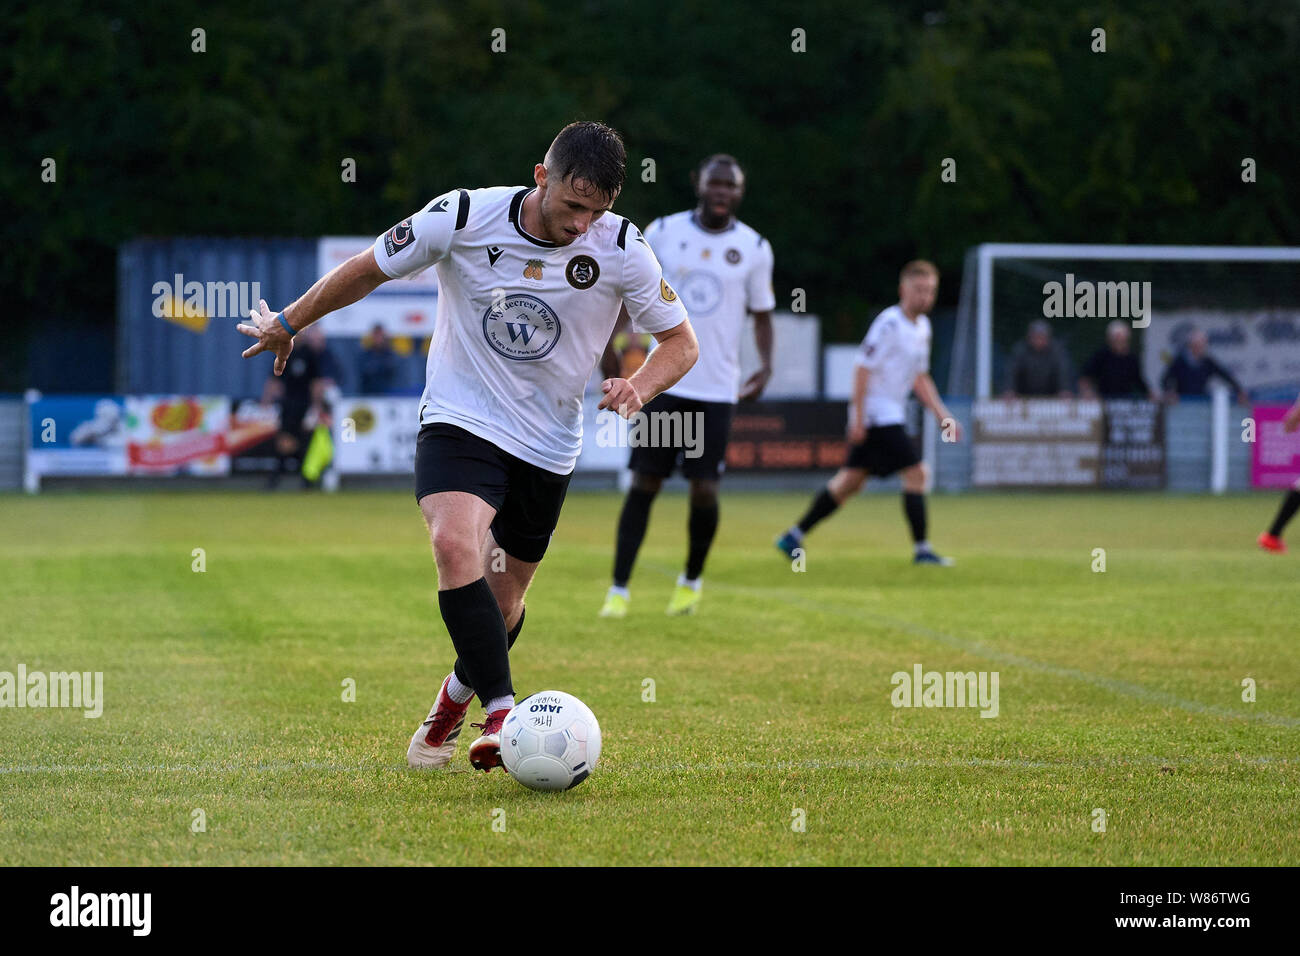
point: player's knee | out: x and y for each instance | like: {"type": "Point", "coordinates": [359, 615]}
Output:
{"type": "Point", "coordinates": [704, 494]}
{"type": "Point", "coordinates": [453, 550]}
{"type": "Point", "coordinates": [648, 484]}
{"type": "Point", "coordinates": [917, 478]}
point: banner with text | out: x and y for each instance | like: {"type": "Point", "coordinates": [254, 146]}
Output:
{"type": "Point", "coordinates": [1275, 455]}
{"type": "Point", "coordinates": [1051, 443]}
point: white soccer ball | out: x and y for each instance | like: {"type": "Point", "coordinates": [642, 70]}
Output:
{"type": "Point", "coordinates": [550, 741]}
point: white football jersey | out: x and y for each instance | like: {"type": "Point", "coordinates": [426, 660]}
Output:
{"type": "Point", "coordinates": [521, 322]}
{"type": "Point", "coordinates": [719, 276]}
{"type": "Point", "coordinates": [896, 350]}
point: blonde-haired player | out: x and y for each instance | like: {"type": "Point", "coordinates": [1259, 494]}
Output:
{"type": "Point", "coordinates": [893, 362]}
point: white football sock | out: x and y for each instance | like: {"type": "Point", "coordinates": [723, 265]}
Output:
{"type": "Point", "coordinates": [460, 693]}
{"type": "Point", "coordinates": [621, 592]}
{"type": "Point", "coordinates": [500, 703]}
{"type": "Point", "coordinates": [922, 546]}
{"type": "Point", "coordinates": [683, 581]}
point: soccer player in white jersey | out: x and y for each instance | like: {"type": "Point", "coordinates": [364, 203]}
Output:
{"type": "Point", "coordinates": [894, 361]}
{"type": "Point", "coordinates": [722, 269]}
{"type": "Point", "coordinates": [531, 281]}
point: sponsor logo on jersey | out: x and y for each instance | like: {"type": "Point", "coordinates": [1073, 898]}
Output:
{"type": "Point", "coordinates": [533, 269]}
{"type": "Point", "coordinates": [701, 292]}
{"type": "Point", "coordinates": [733, 256]}
{"type": "Point", "coordinates": [666, 292]}
{"type": "Point", "coordinates": [582, 272]}
{"type": "Point", "coordinates": [494, 253]}
{"type": "Point", "coordinates": [399, 237]}
{"type": "Point", "coordinates": [521, 327]}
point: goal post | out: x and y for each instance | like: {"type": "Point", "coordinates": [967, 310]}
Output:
{"type": "Point", "coordinates": [1235, 286]}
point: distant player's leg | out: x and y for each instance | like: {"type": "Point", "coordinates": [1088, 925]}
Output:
{"type": "Point", "coordinates": [1271, 540]}
{"type": "Point", "coordinates": [702, 464]}
{"type": "Point", "coordinates": [845, 483]}
{"type": "Point", "coordinates": [632, 523]}
{"type": "Point", "coordinates": [916, 480]}
{"type": "Point", "coordinates": [649, 467]}
{"type": "Point", "coordinates": [701, 528]}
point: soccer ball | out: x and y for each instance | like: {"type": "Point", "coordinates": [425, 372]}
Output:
{"type": "Point", "coordinates": [550, 741]}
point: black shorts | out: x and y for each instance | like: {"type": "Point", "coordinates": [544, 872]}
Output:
{"type": "Point", "coordinates": [527, 498]}
{"type": "Point", "coordinates": [886, 450]}
{"type": "Point", "coordinates": [706, 434]}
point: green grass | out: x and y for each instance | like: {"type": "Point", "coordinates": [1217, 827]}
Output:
{"type": "Point", "coordinates": [1119, 691]}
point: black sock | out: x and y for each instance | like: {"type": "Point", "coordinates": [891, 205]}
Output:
{"type": "Point", "coordinates": [914, 508]}
{"type": "Point", "coordinates": [478, 633]}
{"type": "Point", "coordinates": [823, 506]}
{"type": "Point", "coordinates": [513, 636]}
{"type": "Point", "coordinates": [631, 532]}
{"type": "Point", "coordinates": [1290, 505]}
{"type": "Point", "coordinates": [701, 526]}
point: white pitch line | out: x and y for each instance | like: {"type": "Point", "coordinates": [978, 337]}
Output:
{"type": "Point", "coordinates": [1114, 685]}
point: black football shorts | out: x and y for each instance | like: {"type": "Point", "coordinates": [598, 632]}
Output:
{"type": "Point", "coordinates": [527, 498]}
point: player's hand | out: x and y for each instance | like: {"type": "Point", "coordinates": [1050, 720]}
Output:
{"type": "Point", "coordinates": [755, 384]}
{"type": "Point", "coordinates": [1291, 420]}
{"type": "Point", "coordinates": [621, 396]}
{"type": "Point", "coordinates": [856, 433]}
{"type": "Point", "coordinates": [270, 335]}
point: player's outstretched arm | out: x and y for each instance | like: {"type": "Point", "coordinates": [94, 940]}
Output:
{"type": "Point", "coordinates": [928, 393]}
{"type": "Point", "coordinates": [348, 282]}
{"type": "Point", "coordinates": [674, 357]}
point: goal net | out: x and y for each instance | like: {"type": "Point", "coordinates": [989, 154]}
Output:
{"type": "Point", "coordinates": [1245, 299]}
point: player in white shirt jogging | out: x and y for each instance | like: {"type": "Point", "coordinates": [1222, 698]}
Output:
{"type": "Point", "coordinates": [531, 282]}
{"type": "Point", "coordinates": [722, 269]}
{"type": "Point", "coordinates": [894, 361]}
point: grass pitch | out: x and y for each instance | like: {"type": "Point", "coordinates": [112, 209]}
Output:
{"type": "Point", "coordinates": [1119, 691]}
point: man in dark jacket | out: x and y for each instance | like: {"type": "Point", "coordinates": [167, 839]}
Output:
{"type": "Point", "coordinates": [1038, 365]}
{"type": "Point", "coordinates": [1190, 372]}
{"type": "Point", "coordinates": [1113, 372]}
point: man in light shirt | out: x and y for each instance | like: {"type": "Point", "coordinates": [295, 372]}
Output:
{"type": "Point", "coordinates": [893, 362]}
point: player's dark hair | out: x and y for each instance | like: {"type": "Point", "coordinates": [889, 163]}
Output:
{"type": "Point", "coordinates": [590, 152]}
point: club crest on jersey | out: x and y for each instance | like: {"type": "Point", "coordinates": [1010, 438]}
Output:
{"type": "Point", "coordinates": [399, 237]}
{"type": "Point", "coordinates": [733, 256]}
{"type": "Point", "coordinates": [582, 272]}
{"type": "Point", "coordinates": [521, 327]}
{"type": "Point", "coordinates": [533, 269]}
{"type": "Point", "coordinates": [666, 292]}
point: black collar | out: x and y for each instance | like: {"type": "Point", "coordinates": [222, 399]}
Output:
{"type": "Point", "coordinates": [516, 217]}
